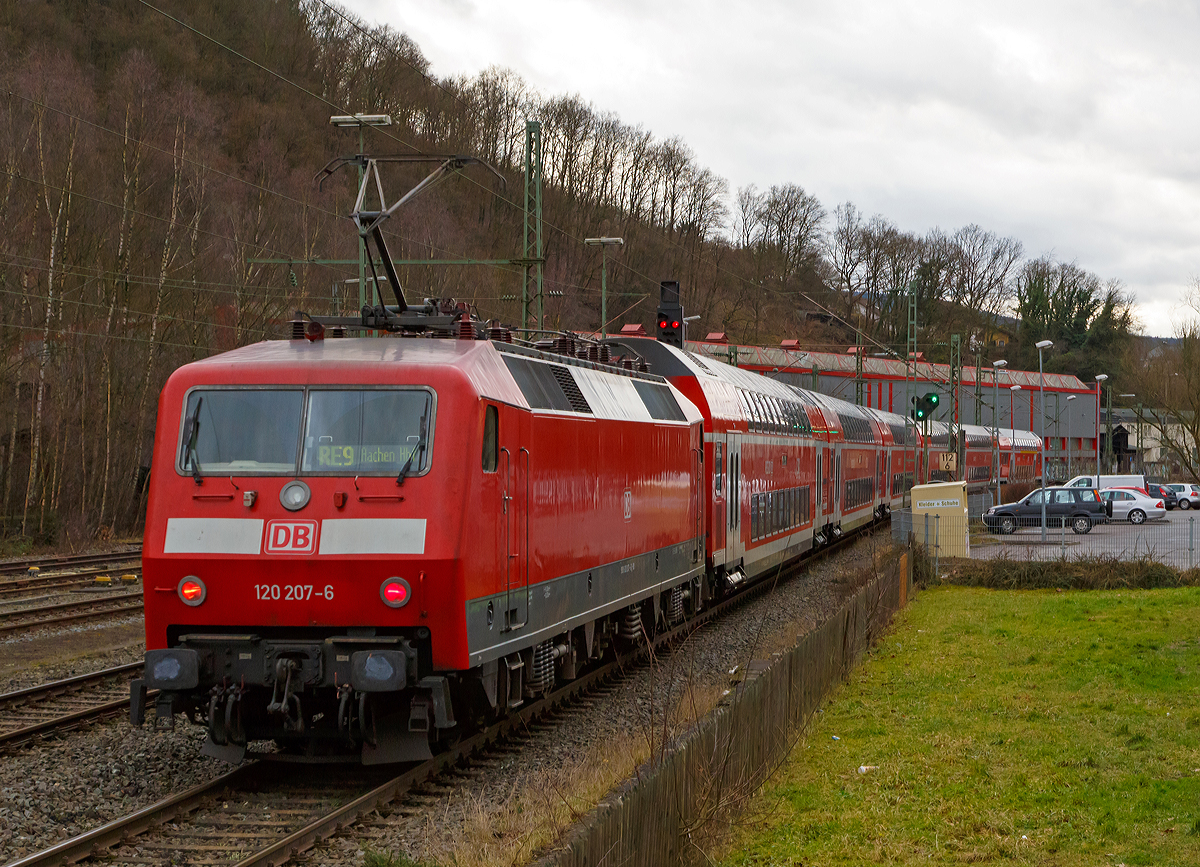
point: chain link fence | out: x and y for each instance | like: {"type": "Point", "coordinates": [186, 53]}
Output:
{"type": "Point", "coordinates": [1171, 540]}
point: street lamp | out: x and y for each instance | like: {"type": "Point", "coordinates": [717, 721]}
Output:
{"type": "Point", "coordinates": [996, 366]}
{"type": "Point", "coordinates": [1070, 397]}
{"type": "Point", "coordinates": [347, 121]}
{"type": "Point", "coordinates": [604, 244]}
{"type": "Point", "coordinates": [1043, 344]}
{"type": "Point", "coordinates": [1100, 377]}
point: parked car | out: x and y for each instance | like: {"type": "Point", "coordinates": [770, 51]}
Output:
{"type": "Point", "coordinates": [1189, 495]}
{"type": "Point", "coordinates": [1079, 508]}
{"type": "Point", "coordinates": [1162, 492]}
{"type": "Point", "coordinates": [1130, 504]}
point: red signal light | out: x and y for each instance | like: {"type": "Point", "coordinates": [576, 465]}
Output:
{"type": "Point", "coordinates": [395, 592]}
{"type": "Point", "coordinates": [674, 324]}
{"type": "Point", "coordinates": [662, 324]}
{"type": "Point", "coordinates": [192, 590]}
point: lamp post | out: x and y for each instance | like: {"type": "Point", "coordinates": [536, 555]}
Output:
{"type": "Point", "coordinates": [1100, 377]}
{"type": "Point", "coordinates": [604, 244]}
{"type": "Point", "coordinates": [1043, 344]}
{"type": "Point", "coordinates": [361, 121]}
{"type": "Point", "coordinates": [1070, 397]}
{"type": "Point", "coordinates": [996, 367]}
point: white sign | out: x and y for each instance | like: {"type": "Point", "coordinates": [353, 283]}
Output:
{"type": "Point", "coordinates": [938, 504]}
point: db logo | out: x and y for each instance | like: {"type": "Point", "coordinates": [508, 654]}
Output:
{"type": "Point", "coordinates": [291, 537]}
{"type": "Point", "coordinates": [628, 503]}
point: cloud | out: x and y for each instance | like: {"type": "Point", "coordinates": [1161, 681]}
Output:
{"type": "Point", "coordinates": [1070, 125]}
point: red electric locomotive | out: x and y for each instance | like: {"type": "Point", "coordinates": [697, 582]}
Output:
{"type": "Point", "coordinates": [354, 545]}
{"type": "Point", "coordinates": [352, 542]}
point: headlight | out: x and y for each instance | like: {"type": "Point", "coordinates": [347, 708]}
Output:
{"type": "Point", "coordinates": [295, 495]}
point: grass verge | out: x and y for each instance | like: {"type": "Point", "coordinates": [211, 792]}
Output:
{"type": "Point", "coordinates": [1031, 727]}
{"type": "Point", "coordinates": [1068, 573]}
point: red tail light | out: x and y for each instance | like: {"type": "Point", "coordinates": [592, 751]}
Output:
{"type": "Point", "coordinates": [395, 592]}
{"type": "Point", "coordinates": [1159, 504]}
{"type": "Point", "coordinates": [192, 590]}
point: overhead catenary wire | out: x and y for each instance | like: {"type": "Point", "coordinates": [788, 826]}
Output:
{"type": "Point", "coordinates": [387, 133]}
{"type": "Point", "coordinates": [620, 263]}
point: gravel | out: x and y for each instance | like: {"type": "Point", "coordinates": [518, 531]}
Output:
{"type": "Point", "coordinates": [61, 670]}
{"type": "Point", "coordinates": [470, 815]}
{"type": "Point", "coordinates": [55, 789]}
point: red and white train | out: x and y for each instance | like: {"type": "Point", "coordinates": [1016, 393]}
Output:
{"type": "Point", "coordinates": [356, 546]}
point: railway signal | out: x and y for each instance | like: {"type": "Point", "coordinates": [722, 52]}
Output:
{"type": "Point", "coordinates": [925, 405]}
{"type": "Point", "coordinates": [670, 315]}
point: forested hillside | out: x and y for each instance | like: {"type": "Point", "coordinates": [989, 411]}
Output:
{"type": "Point", "coordinates": [153, 152]}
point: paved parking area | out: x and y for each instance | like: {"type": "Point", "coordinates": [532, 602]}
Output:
{"type": "Point", "coordinates": [1172, 540]}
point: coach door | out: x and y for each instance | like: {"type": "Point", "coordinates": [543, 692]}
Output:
{"type": "Point", "coordinates": [838, 505]}
{"type": "Point", "coordinates": [818, 498]}
{"type": "Point", "coordinates": [720, 486]}
{"type": "Point", "coordinates": [733, 498]}
{"type": "Point", "coordinates": [516, 466]}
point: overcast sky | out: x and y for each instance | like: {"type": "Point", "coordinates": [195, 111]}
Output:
{"type": "Point", "coordinates": [1070, 126]}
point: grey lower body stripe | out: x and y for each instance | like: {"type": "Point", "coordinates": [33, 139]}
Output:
{"type": "Point", "coordinates": [552, 607]}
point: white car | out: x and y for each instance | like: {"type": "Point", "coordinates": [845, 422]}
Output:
{"type": "Point", "coordinates": [1132, 505]}
{"type": "Point", "coordinates": [1189, 495]}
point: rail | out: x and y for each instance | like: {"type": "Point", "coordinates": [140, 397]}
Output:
{"type": "Point", "coordinates": [164, 819]}
{"type": "Point", "coordinates": [40, 710]}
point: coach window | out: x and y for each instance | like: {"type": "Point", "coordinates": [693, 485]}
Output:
{"type": "Point", "coordinates": [718, 467]}
{"type": "Point", "coordinates": [491, 438]}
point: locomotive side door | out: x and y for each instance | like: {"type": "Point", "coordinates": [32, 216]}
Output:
{"type": "Point", "coordinates": [515, 466]}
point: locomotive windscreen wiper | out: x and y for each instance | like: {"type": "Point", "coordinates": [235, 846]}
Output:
{"type": "Point", "coordinates": [419, 447]}
{"type": "Point", "coordinates": [191, 431]}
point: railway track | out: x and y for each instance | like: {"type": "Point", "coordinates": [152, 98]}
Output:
{"type": "Point", "coordinates": [69, 561]}
{"type": "Point", "coordinates": [95, 607]}
{"type": "Point", "coordinates": [266, 813]}
{"type": "Point", "coordinates": [64, 704]}
{"type": "Point", "coordinates": [15, 588]}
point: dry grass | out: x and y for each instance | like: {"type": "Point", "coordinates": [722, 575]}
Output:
{"type": "Point", "coordinates": [1070, 573]}
{"type": "Point", "coordinates": [511, 828]}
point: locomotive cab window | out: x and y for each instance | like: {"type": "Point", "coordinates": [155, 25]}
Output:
{"type": "Point", "coordinates": [241, 431]}
{"type": "Point", "coordinates": [491, 438]}
{"type": "Point", "coordinates": [285, 431]}
{"type": "Point", "coordinates": [367, 431]}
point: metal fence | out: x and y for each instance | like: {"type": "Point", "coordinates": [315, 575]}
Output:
{"type": "Point", "coordinates": [658, 817]}
{"type": "Point", "coordinates": [1171, 540]}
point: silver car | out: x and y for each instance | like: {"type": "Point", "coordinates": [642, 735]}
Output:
{"type": "Point", "coordinates": [1189, 495]}
{"type": "Point", "coordinates": [1132, 505]}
